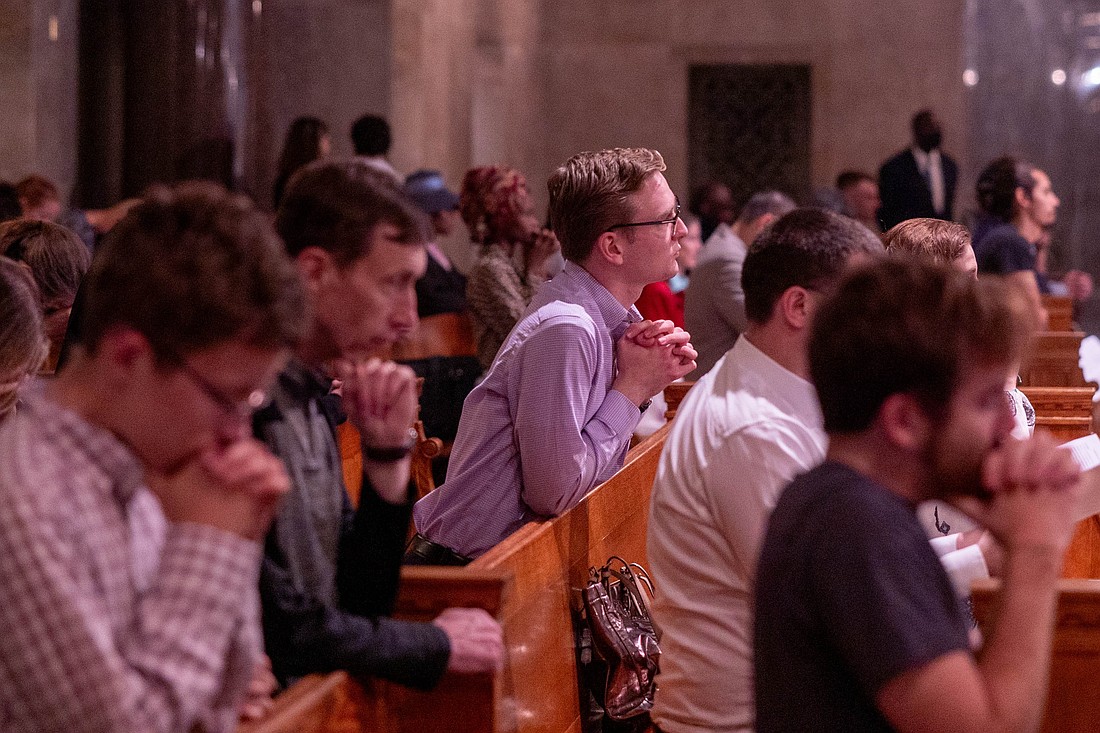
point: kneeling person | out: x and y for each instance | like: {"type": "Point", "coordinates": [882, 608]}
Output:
{"type": "Point", "coordinates": [742, 433]}
{"type": "Point", "coordinates": [857, 624]}
{"type": "Point", "coordinates": [330, 574]}
{"type": "Point", "coordinates": [554, 416]}
{"type": "Point", "coordinates": [132, 501]}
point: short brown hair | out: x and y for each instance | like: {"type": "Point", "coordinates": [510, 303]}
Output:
{"type": "Point", "coordinates": [57, 258]}
{"type": "Point", "coordinates": [589, 194]}
{"type": "Point", "coordinates": [336, 205]}
{"type": "Point", "coordinates": [940, 241]}
{"type": "Point", "coordinates": [191, 267]}
{"type": "Point", "coordinates": [806, 247]}
{"type": "Point", "coordinates": [849, 178]}
{"type": "Point", "coordinates": [903, 325]}
{"type": "Point", "coordinates": [23, 344]}
{"type": "Point", "coordinates": [35, 189]}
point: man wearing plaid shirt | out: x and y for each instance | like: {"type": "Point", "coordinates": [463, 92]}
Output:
{"type": "Point", "coordinates": [132, 499]}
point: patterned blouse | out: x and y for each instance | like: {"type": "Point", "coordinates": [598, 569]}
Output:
{"type": "Point", "coordinates": [497, 293]}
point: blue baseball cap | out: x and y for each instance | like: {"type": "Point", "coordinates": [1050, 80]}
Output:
{"type": "Point", "coordinates": [427, 189]}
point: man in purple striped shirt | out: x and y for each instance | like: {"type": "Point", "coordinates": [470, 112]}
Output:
{"type": "Point", "coordinates": [554, 415]}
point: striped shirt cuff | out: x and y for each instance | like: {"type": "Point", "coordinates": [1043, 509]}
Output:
{"type": "Point", "coordinates": [618, 413]}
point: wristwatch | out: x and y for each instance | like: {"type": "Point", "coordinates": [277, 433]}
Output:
{"type": "Point", "coordinates": [391, 454]}
{"type": "Point", "coordinates": [644, 406]}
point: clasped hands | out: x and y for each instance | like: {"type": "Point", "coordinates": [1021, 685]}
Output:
{"type": "Point", "coordinates": [380, 398]}
{"type": "Point", "coordinates": [1034, 488]}
{"type": "Point", "coordinates": [652, 354]}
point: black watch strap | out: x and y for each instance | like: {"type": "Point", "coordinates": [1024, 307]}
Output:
{"type": "Point", "coordinates": [390, 454]}
{"type": "Point", "coordinates": [644, 406]}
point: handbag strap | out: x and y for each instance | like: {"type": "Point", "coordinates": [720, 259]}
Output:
{"type": "Point", "coordinates": [639, 600]}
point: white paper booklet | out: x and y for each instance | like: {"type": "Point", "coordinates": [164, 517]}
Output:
{"type": "Point", "coordinates": [1086, 451]}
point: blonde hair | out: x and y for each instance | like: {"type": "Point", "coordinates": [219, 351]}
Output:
{"type": "Point", "coordinates": [589, 194]}
{"type": "Point", "coordinates": [940, 241]}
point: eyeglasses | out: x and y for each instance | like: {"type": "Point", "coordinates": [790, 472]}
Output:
{"type": "Point", "coordinates": [671, 220]}
{"type": "Point", "coordinates": [256, 399]}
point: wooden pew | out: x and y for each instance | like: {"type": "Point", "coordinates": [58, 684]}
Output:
{"type": "Point", "coordinates": [541, 565]}
{"type": "Point", "coordinates": [444, 334]}
{"type": "Point", "coordinates": [528, 582]}
{"type": "Point", "coordinates": [1055, 361]}
{"type": "Point", "coordinates": [309, 706]}
{"type": "Point", "coordinates": [1059, 312]}
{"type": "Point", "coordinates": [1065, 411]}
{"type": "Point", "coordinates": [1073, 699]}
{"type": "Point", "coordinates": [460, 703]}
{"type": "Point", "coordinates": [674, 395]}
{"type": "Point", "coordinates": [548, 560]}
{"type": "Point", "coordinates": [426, 450]}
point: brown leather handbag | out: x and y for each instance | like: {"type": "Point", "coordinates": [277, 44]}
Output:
{"type": "Point", "coordinates": [624, 635]}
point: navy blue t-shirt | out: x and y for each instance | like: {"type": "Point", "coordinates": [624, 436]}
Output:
{"type": "Point", "coordinates": [849, 595]}
{"type": "Point", "coordinates": [1000, 250]}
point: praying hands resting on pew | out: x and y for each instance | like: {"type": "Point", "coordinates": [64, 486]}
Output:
{"type": "Point", "coordinates": [381, 401]}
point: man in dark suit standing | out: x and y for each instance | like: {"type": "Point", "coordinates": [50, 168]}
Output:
{"type": "Point", "coordinates": [919, 181]}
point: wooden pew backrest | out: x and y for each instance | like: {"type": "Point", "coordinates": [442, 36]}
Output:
{"type": "Point", "coordinates": [459, 703]}
{"type": "Point", "coordinates": [1059, 312]}
{"type": "Point", "coordinates": [674, 395]}
{"type": "Point", "coordinates": [548, 560]}
{"type": "Point", "coordinates": [444, 334]}
{"type": "Point", "coordinates": [1073, 700]}
{"type": "Point", "coordinates": [1054, 361]}
{"type": "Point", "coordinates": [1065, 411]}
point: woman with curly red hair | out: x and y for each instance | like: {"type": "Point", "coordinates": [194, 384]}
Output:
{"type": "Point", "coordinates": [515, 250]}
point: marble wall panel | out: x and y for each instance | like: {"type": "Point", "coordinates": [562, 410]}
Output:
{"type": "Point", "coordinates": [38, 76]}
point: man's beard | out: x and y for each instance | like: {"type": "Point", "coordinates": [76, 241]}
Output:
{"type": "Point", "coordinates": [953, 471]}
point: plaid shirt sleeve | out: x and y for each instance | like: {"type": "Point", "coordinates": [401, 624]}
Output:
{"type": "Point", "coordinates": [70, 669]}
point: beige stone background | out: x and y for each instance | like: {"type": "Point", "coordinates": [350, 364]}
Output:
{"type": "Point", "coordinates": [530, 82]}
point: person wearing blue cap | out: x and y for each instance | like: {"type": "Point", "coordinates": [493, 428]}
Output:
{"type": "Point", "coordinates": [443, 288]}
{"type": "Point", "coordinates": [441, 296]}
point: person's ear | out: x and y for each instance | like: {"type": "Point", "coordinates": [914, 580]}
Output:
{"type": "Point", "coordinates": [123, 354]}
{"type": "Point", "coordinates": [1023, 200]}
{"type": "Point", "coordinates": [611, 247]}
{"type": "Point", "coordinates": [794, 307]}
{"type": "Point", "coordinates": [905, 422]}
{"type": "Point", "coordinates": [314, 265]}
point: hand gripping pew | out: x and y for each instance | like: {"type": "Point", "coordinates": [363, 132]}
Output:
{"type": "Point", "coordinates": [527, 582]}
